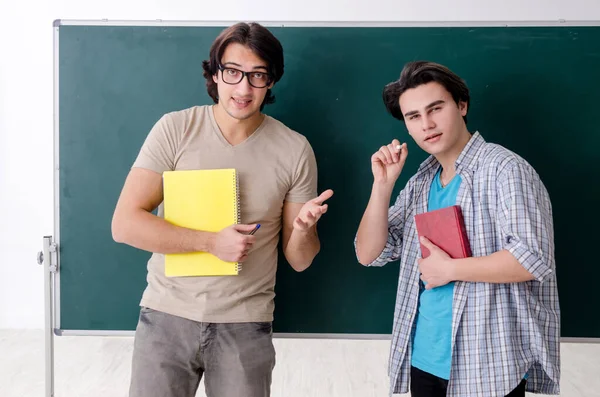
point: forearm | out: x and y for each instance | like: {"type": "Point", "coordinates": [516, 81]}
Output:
{"type": "Point", "coordinates": [499, 267]}
{"type": "Point", "coordinates": [302, 247]}
{"type": "Point", "coordinates": [372, 233]}
{"type": "Point", "coordinates": [146, 231]}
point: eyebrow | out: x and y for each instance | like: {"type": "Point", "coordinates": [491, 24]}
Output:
{"type": "Point", "coordinates": [432, 104]}
{"type": "Point", "coordinates": [238, 65]}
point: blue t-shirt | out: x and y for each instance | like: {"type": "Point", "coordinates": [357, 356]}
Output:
{"type": "Point", "coordinates": [432, 341]}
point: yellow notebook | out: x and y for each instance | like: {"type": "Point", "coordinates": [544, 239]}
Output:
{"type": "Point", "coordinates": [202, 200]}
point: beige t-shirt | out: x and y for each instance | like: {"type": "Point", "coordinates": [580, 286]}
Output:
{"type": "Point", "coordinates": [275, 164]}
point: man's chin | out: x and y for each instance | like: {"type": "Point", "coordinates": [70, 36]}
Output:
{"type": "Point", "coordinates": [242, 115]}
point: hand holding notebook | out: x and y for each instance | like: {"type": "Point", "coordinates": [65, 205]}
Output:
{"type": "Point", "coordinates": [206, 200]}
{"type": "Point", "coordinates": [233, 243]}
{"type": "Point", "coordinates": [445, 228]}
{"type": "Point", "coordinates": [443, 237]}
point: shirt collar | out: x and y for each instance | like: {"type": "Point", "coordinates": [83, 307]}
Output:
{"type": "Point", "coordinates": [468, 159]}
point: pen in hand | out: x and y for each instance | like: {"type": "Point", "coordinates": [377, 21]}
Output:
{"type": "Point", "coordinates": [255, 229]}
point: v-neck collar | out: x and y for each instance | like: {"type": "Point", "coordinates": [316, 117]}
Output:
{"type": "Point", "coordinates": [438, 180]}
{"type": "Point", "coordinates": [224, 141]}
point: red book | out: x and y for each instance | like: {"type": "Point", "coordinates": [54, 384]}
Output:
{"type": "Point", "coordinates": [446, 229]}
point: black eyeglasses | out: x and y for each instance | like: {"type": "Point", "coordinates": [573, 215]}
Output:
{"type": "Point", "coordinates": [234, 76]}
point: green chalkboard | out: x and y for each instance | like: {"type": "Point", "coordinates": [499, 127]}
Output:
{"type": "Point", "coordinates": [534, 90]}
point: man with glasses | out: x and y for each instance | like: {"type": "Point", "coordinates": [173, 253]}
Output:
{"type": "Point", "coordinates": [221, 327]}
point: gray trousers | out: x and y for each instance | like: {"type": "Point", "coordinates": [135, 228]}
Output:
{"type": "Point", "coordinates": [171, 354]}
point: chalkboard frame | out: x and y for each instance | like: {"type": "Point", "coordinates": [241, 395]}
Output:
{"type": "Point", "coordinates": [53, 301]}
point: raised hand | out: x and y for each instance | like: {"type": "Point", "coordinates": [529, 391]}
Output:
{"type": "Point", "coordinates": [388, 161]}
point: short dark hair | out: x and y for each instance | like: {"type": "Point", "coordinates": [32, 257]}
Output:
{"type": "Point", "coordinates": [417, 73]}
{"type": "Point", "coordinates": [254, 36]}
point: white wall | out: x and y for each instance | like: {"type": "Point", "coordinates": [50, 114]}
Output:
{"type": "Point", "coordinates": [26, 115]}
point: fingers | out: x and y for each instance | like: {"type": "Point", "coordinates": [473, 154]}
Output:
{"type": "Point", "coordinates": [241, 256]}
{"type": "Point", "coordinates": [428, 285]}
{"type": "Point", "coordinates": [323, 196]}
{"type": "Point", "coordinates": [248, 241]}
{"type": "Point", "coordinates": [378, 157]}
{"type": "Point", "coordinates": [399, 151]}
{"type": "Point", "coordinates": [300, 224]}
{"type": "Point", "coordinates": [313, 215]}
{"type": "Point", "coordinates": [428, 244]}
{"type": "Point", "coordinates": [391, 153]}
{"type": "Point", "coordinates": [310, 217]}
{"type": "Point", "coordinates": [403, 153]}
{"type": "Point", "coordinates": [320, 211]}
{"type": "Point", "coordinates": [244, 228]}
{"type": "Point", "coordinates": [387, 154]}
{"type": "Point", "coordinates": [394, 151]}
{"type": "Point", "coordinates": [243, 244]}
{"type": "Point", "coordinates": [242, 251]}
{"type": "Point", "coordinates": [311, 212]}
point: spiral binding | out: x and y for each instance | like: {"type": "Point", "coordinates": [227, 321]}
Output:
{"type": "Point", "coordinates": [238, 212]}
{"type": "Point", "coordinates": [238, 220]}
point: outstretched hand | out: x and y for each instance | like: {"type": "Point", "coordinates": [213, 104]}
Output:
{"type": "Point", "coordinates": [312, 211]}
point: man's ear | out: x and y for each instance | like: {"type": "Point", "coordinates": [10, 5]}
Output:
{"type": "Point", "coordinates": [215, 78]}
{"type": "Point", "coordinates": [463, 107]}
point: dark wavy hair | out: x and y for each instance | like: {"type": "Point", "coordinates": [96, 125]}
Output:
{"type": "Point", "coordinates": [417, 73]}
{"type": "Point", "coordinates": [254, 36]}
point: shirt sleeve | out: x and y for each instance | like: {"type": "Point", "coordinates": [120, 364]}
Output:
{"type": "Point", "coordinates": [396, 220]}
{"type": "Point", "coordinates": [525, 218]}
{"type": "Point", "coordinates": [304, 182]}
{"type": "Point", "coordinates": [158, 151]}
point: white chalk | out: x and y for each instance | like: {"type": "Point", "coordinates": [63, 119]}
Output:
{"type": "Point", "coordinates": [398, 147]}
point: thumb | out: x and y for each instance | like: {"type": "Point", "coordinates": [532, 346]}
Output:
{"type": "Point", "coordinates": [244, 228]}
{"type": "Point", "coordinates": [324, 196]}
{"type": "Point", "coordinates": [428, 244]}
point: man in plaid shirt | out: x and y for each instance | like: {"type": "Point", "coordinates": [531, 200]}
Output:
{"type": "Point", "coordinates": [488, 325]}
